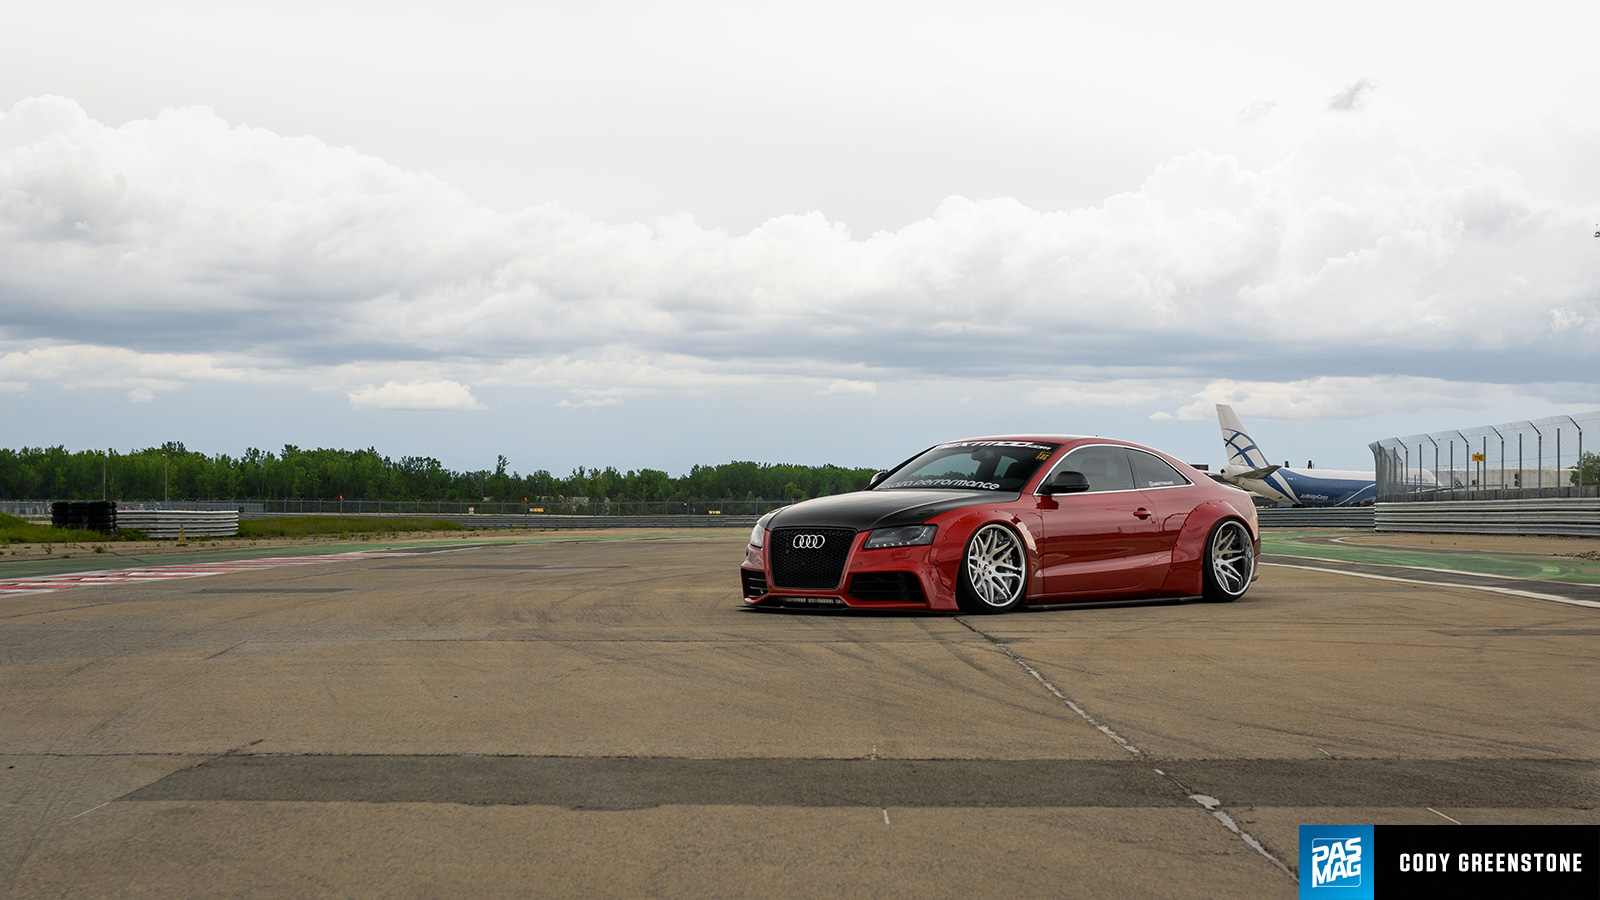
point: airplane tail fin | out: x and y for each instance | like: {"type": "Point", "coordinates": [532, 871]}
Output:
{"type": "Point", "coordinates": [1242, 450]}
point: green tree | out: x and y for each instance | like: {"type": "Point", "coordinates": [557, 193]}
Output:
{"type": "Point", "coordinates": [1587, 472]}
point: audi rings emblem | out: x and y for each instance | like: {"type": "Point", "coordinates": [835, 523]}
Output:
{"type": "Point", "coordinates": [809, 541]}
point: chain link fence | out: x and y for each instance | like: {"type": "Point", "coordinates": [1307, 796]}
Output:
{"type": "Point", "coordinates": [1532, 459]}
{"type": "Point", "coordinates": [570, 506]}
{"type": "Point", "coordinates": [563, 506]}
{"type": "Point", "coordinates": [25, 508]}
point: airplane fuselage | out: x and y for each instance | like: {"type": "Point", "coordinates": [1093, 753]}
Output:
{"type": "Point", "coordinates": [1248, 468]}
{"type": "Point", "coordinates": [1305, 487]}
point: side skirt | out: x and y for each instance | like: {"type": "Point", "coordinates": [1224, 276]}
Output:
{"type": "Point", "coordinates": [1111, 604]}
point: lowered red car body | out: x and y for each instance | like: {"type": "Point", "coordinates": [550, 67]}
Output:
{"type": "Point", "coordinates": [990, 524]}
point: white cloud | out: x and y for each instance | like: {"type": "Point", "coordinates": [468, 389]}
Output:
{"type": "Point", "coordinates": [1353, 96]}
{"type": "Point", "coordinates": [1358, 397]}
{"type": "Point", "coordinates": [141, 395]}
{"type": "Point", "coordinates": [183, 248]}
{"type": "Point", "coordinates": [1563, 318]}
{"type": "Point", "coordinates": [87, 365]}
{"type": "Point", "coordinates": [846, 386]}
{"type": "Point", "coordinates": [1120, 392]}
{"type": "Point", "coordinates": [589, 402]}
{"type": "Point", "coordinates": [418, 395]}
{"type": "Point", "coordinates": [1256, 111]}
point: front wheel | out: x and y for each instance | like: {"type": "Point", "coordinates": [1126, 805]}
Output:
{"type": "Point", "coordinates": [994, 571]}
{"type": "Point", "coordinates": [1230, 562]}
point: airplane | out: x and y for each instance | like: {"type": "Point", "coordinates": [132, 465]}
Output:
{"type": "Point", "coordinates": [1247, 467]}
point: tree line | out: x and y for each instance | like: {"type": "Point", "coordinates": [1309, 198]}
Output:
{"type": "Point", "coordinates": [172, 472]}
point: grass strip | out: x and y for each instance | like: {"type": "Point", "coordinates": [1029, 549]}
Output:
{"type": "Point", "coordinates": [1540, 568]}
{"type": "Point", "coordinates": [14, 530]}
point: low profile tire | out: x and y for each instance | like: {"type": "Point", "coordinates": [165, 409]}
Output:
{"type": "Point", "coordinates": [1230, 562]}
{"type": "Point", "coordinates": [994, 571]}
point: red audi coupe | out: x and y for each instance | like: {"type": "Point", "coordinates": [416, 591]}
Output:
{"type": "Point", "coordinates": [989, 524]}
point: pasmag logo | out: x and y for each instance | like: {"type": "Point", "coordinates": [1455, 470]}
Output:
{"type": "Point", "coordinates": [1336, 862]}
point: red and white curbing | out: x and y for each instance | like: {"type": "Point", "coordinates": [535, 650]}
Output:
{"type": "Point", "coordinates": [47, 583]}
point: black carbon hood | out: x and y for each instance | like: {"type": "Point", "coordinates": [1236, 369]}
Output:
{"type": "Point", "coordinates": [866, 510]}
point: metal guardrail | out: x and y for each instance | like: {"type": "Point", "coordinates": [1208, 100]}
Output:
{"type": "Point", "coordinates": [537, 521]}
{"type": "Point", "coordinates": [1579, 516]}
{"type": "Point", "coordinates": [1316, 517]}
{"type": "Point", "coordinates": [557, 521]}
{"type": "Point", "coordinates": [568, 506]}
{"type": "Point", "coordinates": [171, 523]}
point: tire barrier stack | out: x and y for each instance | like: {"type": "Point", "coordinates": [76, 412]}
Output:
{"type": "Point", "coordinates": [188, 523]}
{"type": "Point", "coordinates": [92, 515]}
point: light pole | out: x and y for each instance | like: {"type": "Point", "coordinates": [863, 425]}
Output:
{"type": "Point", "coordinates": [164, 493]}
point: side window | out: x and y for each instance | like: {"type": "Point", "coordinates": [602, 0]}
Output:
{"type": "Point", "coordinates": [1013, 473]}
{"type": "Point", "coordinates": [1105, 466]}
{"type": "Point", "coordinates": [1153, 471]}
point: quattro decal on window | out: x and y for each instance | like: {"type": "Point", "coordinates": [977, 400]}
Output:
{"type": "Point", "coordinates": [949, 483]}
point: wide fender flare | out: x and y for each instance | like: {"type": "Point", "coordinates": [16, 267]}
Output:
{"type": "Point", "coordinates": [951, 544]}
{"type": "Point", "coordinates": [1187, 574]}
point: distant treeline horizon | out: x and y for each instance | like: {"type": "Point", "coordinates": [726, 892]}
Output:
{"type": "Point", "coordinates": [175, 473]}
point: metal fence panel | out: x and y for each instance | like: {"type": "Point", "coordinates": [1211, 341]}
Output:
{"type": "Point", "coordinates": [239, 506]}
{"type": "Point", "coordinates": [1532, 459]}
{"type": "Point", "coordinates": [25, 508]}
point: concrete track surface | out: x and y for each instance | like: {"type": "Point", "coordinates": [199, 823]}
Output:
{"type": "Point", "coordinates": [600, 718]}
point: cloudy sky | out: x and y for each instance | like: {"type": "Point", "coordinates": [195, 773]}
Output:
{"type": "Point", "coordinates": [660, 234]}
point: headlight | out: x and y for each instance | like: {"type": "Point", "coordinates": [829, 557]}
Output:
{"type": "Point", "coordinates": [908, 536]}
{"type": "Point", "coordinates": [759, 532]}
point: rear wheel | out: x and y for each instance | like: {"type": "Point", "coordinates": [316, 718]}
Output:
{"type": "Point", "coordinates": [994, 571]}
{"type": "Point", "coordinates": [1230, 561]}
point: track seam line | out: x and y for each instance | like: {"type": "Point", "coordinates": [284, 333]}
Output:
{"type": "Point", "coordinates": [1211, 805]}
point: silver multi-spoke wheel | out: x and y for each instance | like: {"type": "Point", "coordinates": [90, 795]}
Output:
{"type": "Point", "coordinates": [995, 570]}
{"type": "Point", "coordinates": [1230, 561]}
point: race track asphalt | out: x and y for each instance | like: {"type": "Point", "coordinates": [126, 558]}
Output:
{"type": "Point", "coordinates": [596, 716]}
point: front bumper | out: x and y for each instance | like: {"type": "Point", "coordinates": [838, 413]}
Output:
{"type": "Point", "coordinates": [898, 578]}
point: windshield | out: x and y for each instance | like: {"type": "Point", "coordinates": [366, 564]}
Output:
{"type": "Point", "coordinates": [972, 465]}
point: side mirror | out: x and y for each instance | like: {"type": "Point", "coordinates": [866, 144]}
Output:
{"type": "Point", "coordinates": [1066, 482]}
{"type": "Point", "coordinates": [876, 480]}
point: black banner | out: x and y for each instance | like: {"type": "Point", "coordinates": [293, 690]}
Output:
{"type": "Point", "coordinates": [1551, 862]}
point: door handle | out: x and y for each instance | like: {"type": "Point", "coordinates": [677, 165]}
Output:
{"type": "Point", "coordinates": [1142, 513]}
